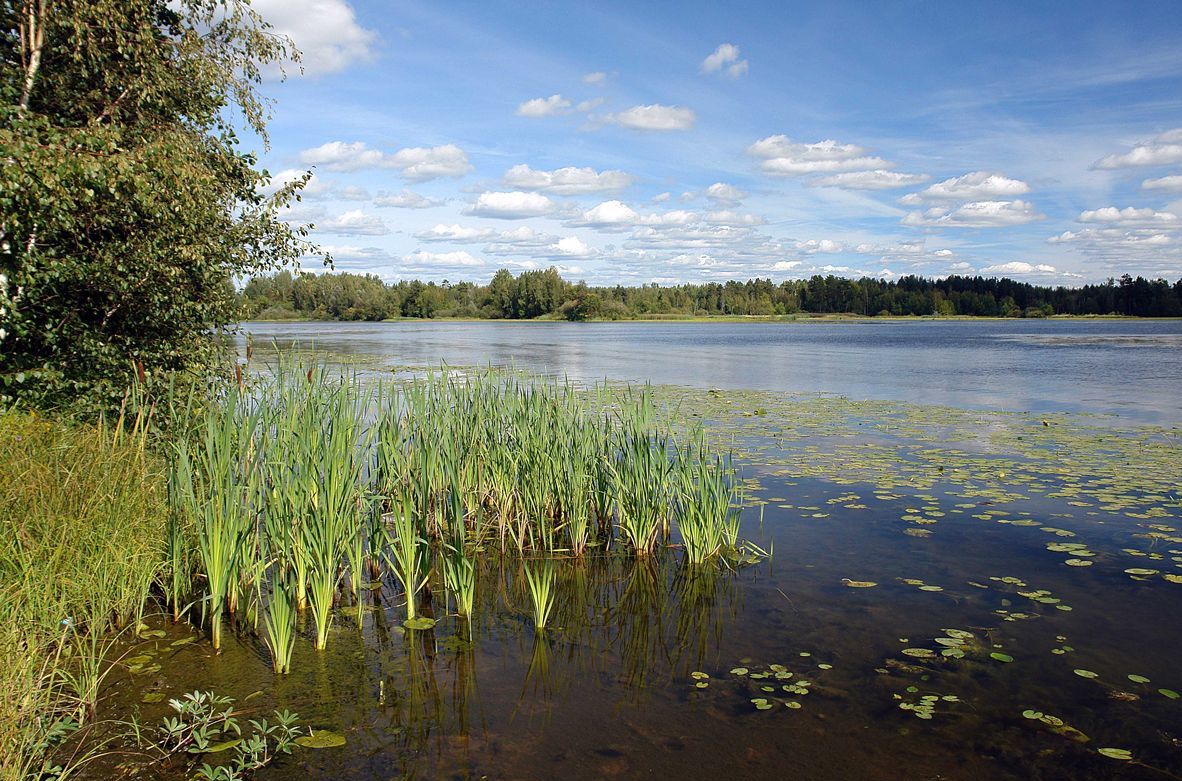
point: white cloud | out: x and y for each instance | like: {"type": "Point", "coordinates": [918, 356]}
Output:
{"type": "Point", "coordinates": [610, 215]}
{"type": "Point", "coordinates": [420, 164]}
{"type": "Point", "coordinates": [415, 163]}
{"type": "Point", "coordinates": [661, 197]}
{"type": "Point", "coordinates": [654, 117]}
{"type": "Point", "coordinates": [457, 233]}
{"type": "Point", "coordinates": [787, 265]}
{"type": "Point", "coordinates": [314, 188]}
{"type": "Point", "coordinates": [977, 214]}
{"type": "Point", "coordinates": [1130, 217]}
{"type": "Point", "coordinates": [975, 186]}
{"type": "Point", "coordinates": [725, 59]}
{"type": "Point", "coordinates": [515, 205]}
{"type": "Point", "coordinates": [1163, 149]}
{"type": "Point", "coordinates": [783, 157]}
{"type": "Point", "coordinates": [813, 246]}
{"type": "Point", "coordinates": [351, 192]}
{"type": "Point", "coordinates": [595, 79]}
{"type": "Point", "coordinates": [573, 246]}
{"type": "Point", "coordinates": [325, 31]}
{"type": "Point", "coordinates": [1020, 268]}
{"type": "Point", "coordinates": [435, 260]}
{"type": "Point", "coordinates": [1170, 184]}
{"type": "Point", "coordinates": [544, 107]}
{"type": "Point", "coordinates": [588, 105]}
{"type": "Point", "coordinates": [725, 194]}
{"type": "Point", "coordinates": [353, 223]}
{"type": "Point", "coordinates": [732, 218]}
{"type": "Point", "coordinates": [566, 181]}
{"type": "Point", "coordinates": [406, 199]}
{"type": "Point", "coordinates": [870, 180]}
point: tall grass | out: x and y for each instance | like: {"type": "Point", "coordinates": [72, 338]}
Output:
{"type": "Point", "coordinates": [82, 514]}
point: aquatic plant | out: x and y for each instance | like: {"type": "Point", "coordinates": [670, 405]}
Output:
{"type": "Point", "coordinates": [539, 581]}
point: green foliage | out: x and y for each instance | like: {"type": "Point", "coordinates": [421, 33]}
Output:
{"type": "Point", "coordinates": [545, 294]}
{"type": "Point", "coordinates": [206, 723]}
{"type": "Point", "coordinates": [127, 201]}
{"type": "Point", "coordinates": [82, 513]}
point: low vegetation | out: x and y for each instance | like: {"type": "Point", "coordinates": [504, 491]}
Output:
{"type": "Point", "coordinates": [534, 294]}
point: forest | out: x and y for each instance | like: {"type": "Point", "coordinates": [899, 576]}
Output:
{"type": "Point", "coordinates": [534, 294]}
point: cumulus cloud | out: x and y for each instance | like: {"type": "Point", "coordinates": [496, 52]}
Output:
{"type": "Point", "coordinates": [1170, 184]}
{"type": "Point", "coordinates": [813, 246]}
{"type": "Point", "coordinates": [783, 157]}
{"type": "Point", "coordinates": [870, 180]}
{"type": "Point", "coordinates": [314, 188]}
{"type": "Point", "coordinates": [414, 163]}
{"type": "Point", "coordinates": [977, 214]}
{"type": "Point", "coordinates": [610, 215]}
{"type": "Point", "coordinates": [725, 59]}
{"type": "Point", "coordinates": [566, 181]}
{"type": "Point", "coordinates": [440, 260]}
{"type": "Point", "coordinates": [353, 223]}
{"type": "Point", "coordinates": [544, 107]}
{"type": "Point", "coordinates": [1130, 217]}
{"type": "Point", "coordinates": [595, 79]}
{"type": "Point", "coordinates": [975, 186]}
{"type": "Point", "coordinates": [725, 194]}
{"type": "Point", "coordinates": [1163, 149]}
{"type": "Point", "coordinates": [406, 199]}
{"type": "Point", "coordinates": [456, 233]}
{"type": "Point", "coordinates": [654, 117]}
{"type": "Point", "coordinates": [515, 205]}
{"type": "Point", "coordinates": [1021, 269]}
{"type": "Point", "coordinates": [573, 246]}
{"type": "Point", "coordinates": [325, 31]}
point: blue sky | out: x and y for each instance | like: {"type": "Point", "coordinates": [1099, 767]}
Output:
{"type": "Point", "coordinates": [664, 142]}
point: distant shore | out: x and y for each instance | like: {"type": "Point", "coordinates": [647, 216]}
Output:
{"type": "Point", "coordinates": [801, 317]}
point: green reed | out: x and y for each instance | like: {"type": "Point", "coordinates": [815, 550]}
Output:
{"type": "Point", "coordinates": [540, 580]}
{"type": "Point", "coordinates": [279, 620]}
{"type": "Point", "coordinates": [219, 481]}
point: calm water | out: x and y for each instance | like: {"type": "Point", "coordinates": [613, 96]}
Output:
{"type": "Point", "coordinates": [1132, 369]}
{"type": "Point", "coordinates": [969, 525]}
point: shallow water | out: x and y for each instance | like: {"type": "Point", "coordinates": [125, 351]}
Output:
{"type": "Point", "coordinates": [964, 520]}
{"type": "Point", "coordinates": [1129, 368]}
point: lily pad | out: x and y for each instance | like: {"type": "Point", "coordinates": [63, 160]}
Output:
{"type": "Point", "coordinates": [321, 739]}
{"type": "Point", "coordinates": [999, 656]}
{"type": "Point", "coordinates": [422, 622]}
{"type": "Point", "coordinates": [1170, 693]}
{"type": "Point", "coordinates": [1086, 674]}
{"type": "Point", "coordinates": [1116, 753]}
{"type": "Point", "coordinates": [859, 583]}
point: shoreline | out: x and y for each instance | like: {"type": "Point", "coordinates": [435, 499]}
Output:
{"type": "Point", "coordinates": [797, 318]}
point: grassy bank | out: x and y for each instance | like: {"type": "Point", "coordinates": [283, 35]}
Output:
{"type": "Point", "coordinates": [82, 513]}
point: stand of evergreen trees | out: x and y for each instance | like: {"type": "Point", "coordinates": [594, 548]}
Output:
{"type": "Point", "coordinates": [535, 294]}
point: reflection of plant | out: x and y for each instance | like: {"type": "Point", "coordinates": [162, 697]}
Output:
{"type": "Point", "coordinates": [206, 723]}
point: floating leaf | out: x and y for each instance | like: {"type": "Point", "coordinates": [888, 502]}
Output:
{"type": "Point", "coordinates": [1138, 679]}
{"type": "Point", "coordinates": [858, 583]}
{"type": "Point", "coordinates": [217, 748]}
{"type": "Point", "coordinates": [153, 697]}
{"type": "Point", "coordinates": [421, 622]}
{"type": "Point", "coordinates": [321, 739]}
{"type": "Point", "coordinates": [1116, 753]}
{"type": "Point", "coordinates": [1086, 674]}
{"type": "Point", "coordinates": [999, 656]}
{"type": "Point", "coordinates": [1173, 695]}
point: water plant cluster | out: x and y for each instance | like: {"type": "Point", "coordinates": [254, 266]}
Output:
{"type": "Point", "coordinates": [299, 493]}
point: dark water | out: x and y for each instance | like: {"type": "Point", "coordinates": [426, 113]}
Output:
{"type": "Point", "coordinates": [949, 513]}
{"type": "Point", "coordinates": [1128, 368]}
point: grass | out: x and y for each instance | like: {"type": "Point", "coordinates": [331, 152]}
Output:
{"type": "Point", "coordinates": [83, 513]}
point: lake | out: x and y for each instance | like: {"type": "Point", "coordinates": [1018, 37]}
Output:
{"type": "Point", "coordinates": [1128, 368]}
{"type": "Point", "coordinates": [975, 573]}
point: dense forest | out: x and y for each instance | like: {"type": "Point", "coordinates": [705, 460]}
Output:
{"type": "Point", "coordinates": [535, 294]}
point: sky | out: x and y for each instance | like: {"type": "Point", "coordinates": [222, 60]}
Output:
{"type": "Point", "coordinates": [685, 142]}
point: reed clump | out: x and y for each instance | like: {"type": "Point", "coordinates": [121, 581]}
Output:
{"type": "Point", "coordinates": [303, 486]}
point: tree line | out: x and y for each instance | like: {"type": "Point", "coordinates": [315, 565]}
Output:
{"type": "Point", "coordinates": [533, 294]}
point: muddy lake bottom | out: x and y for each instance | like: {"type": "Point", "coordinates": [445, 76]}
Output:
{"type": "Point", "coordinates": [918, 619]}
